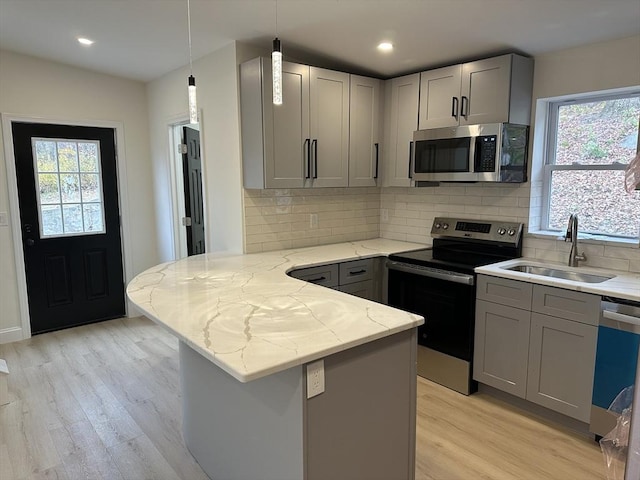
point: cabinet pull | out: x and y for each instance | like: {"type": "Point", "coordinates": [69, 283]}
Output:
{"type": "Point", "coordinates": [375, 175]}
{"type": "Point", "coordinates": [410, 159]}
{"type": "Point", "coordinates": [319, 279]}
{"type": "Point", "coordinates": [358, 272]}
{"type": "Point", "coordinates": [464, 111]}
{"type": "Point", "coordinates": [307, 153]}
{"type": "Point", "coordinates": [315, 157]}
{"type": "Point", "coordinates": [454, 107]}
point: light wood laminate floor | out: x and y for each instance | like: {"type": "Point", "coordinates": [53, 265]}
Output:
{"type": "Point", "coordinates": [103, 402]}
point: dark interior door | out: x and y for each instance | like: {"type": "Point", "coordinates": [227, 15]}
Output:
{"type": "Point", "coordinates": [68, 197]}
{"type": "Point", "coordinates": [193, 204]}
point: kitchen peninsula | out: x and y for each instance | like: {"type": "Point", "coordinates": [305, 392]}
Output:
{"type": "Point", "coordinates": [247, 332]}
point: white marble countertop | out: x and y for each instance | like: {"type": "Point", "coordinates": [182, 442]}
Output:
{"type": "Point", "coordinates": [248, 317]}
{"type": "Point", "coordinates": [624, 285]}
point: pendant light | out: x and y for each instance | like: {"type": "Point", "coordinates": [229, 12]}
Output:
{"type": "Point", "coordinates": [276, 66]}
{"type": "Point", "coordinates": [193, 106]}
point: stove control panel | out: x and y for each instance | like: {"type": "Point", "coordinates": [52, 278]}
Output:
{"type": "Point", "coordinates": [490, 230]}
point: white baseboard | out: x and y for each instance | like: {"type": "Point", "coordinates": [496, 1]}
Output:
{"type": "Point", "coordinates": [8, 335]}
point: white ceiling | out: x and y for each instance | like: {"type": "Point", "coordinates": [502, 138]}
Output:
{"type": "Point", "coordinates": [144, 39]}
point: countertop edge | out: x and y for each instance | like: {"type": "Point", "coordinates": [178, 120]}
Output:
{"type": "Point", "coordinates": [330, 254]}
{"type": "Point", "coordinates": [625, 285]}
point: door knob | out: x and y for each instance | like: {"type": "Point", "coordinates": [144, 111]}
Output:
{"type": "Point", "coordinates": [30, 242]}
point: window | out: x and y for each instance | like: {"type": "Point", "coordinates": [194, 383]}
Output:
{"type": "Point", "coordinates": [590, 143]}
{"type": "Point", "coordinates": [69, 187]}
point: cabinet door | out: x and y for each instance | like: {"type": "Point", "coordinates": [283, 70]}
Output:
{"type": "Point", "coordinates": [501, 347]}
{"type": "Point", "coordinates": [360, 289]}
{"type": "Point", "coordinates": [401, 116]}
{"type": "Point", "coordinates": [485, 91]}
{"type": "Point", "coordinates": [561, 365]}
{"type": "Point", "coordinates": [364, 131]}
{"type": "Point", "coordinates": [329, 127]}
{"type": "Point", "coordinates": [286, 127]}
{"type": "Point", "coordinates": [440, 97]}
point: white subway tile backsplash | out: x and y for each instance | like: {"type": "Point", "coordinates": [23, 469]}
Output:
{"type": "Point", "coordinates": [276, 219]}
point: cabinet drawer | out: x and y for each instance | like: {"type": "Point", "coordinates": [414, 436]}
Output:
{"type": "Point", "coordinates": [557, 302]}
{"type": "Point", "coordinates": [326, 275]}
{"type": "Point", "coordinates": [356, 271]}
{"type": "Point", "coordinates": [504, 291]}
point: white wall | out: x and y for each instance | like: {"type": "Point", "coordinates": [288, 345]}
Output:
{"type": "Point", "coordinates": [39, 88]}
{"type": "Point", "coordinates": [217, 92]}
{"type": "Point", "coordinates": [588, 68]}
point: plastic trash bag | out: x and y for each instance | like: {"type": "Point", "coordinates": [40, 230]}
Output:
{"type": "Point", "coordinates": [614, 445]}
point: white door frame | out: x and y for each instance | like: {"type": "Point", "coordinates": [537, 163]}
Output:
{"type": "Point", "coordinates": [24, 331]}
{"type": "Point", "coordinates": [174, 167]}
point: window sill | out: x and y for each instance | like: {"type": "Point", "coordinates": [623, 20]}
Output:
{"type": "Point", "coordinates": [587, 238]}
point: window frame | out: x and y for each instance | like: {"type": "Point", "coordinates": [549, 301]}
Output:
{"type": "Point", "coordinates": [551, 136]}
{"type": "Point", "coordinates": [58, 172]}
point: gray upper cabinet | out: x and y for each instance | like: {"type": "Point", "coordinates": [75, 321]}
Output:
{"type": "Point", "coordinates": [274, 137]}
{"type": "Point", "coordinates": [303, 142]}
{"type": "Point", "coordinates": [440, 97]}
{"type": "Point", "coordinates": [491, 90]}
{"type": "Point", "coordinates": [328, 127]}
{"type": "Point", "coordinates": [401, 120]}
{"type": "Point", "coordinates": [365, 107]}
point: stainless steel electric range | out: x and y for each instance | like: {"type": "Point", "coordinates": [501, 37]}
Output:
{"type": "Point", "coordinates": [439, 283]}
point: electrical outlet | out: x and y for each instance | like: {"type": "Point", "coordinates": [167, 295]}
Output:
{"type": "Point", "coordinates": [315, 378]}
{"type": "Point", "coordinates": [4, 220]}
{"type": "Point", "coordinates": [313, 220]}
{"type": "Point", "coordinates": [385, 214]}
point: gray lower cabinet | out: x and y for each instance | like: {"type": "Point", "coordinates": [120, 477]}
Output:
{"type": "Point", "coordinates": [502, 347]}
{"type": "Point", "coordinates": [537, 343]}
{"type": "Point", "coordinates": [362, 278]}
{"type": "Point", "coordinates": [562, 357]}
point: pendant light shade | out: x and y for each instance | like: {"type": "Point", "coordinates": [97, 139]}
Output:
{"type": "Point", "coordinates": [193, 105]}
{"type": "Point", "coordinates": [276, 68]}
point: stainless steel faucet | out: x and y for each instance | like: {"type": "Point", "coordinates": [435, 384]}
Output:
{"type": "Point", "coordinates": [572, 236]}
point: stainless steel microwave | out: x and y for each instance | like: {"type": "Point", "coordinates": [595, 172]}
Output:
{"type": "Point", "coordinates": [491, 152]}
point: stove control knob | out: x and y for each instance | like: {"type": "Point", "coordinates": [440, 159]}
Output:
{"type": "Point", "coordinates": [511, 232]}
{"type": "Point", "coordinates": [445, 226]}
{"type": "Point", "coordinates": [501, 231]}
{"type": "Point", "coordinates": [437, 225]}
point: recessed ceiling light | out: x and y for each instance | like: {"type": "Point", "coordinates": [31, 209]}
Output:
{"type": "Point", "coordinates": [385, 46]}
{"type": "Point", "coordinates": [85, 41]}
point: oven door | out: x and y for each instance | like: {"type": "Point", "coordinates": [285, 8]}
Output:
{"type": "Point", "coordinates": [446, 300]}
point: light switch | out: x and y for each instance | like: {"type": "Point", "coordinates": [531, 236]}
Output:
{"type": "Point", "coordinates": [4, 219]}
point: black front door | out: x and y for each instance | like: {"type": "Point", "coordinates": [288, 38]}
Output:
{"type": "Point", "coordinates": [68, 196]}
{"type": "Point", "coordinates": [193, 204]}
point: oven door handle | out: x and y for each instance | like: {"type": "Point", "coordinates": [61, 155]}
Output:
{"type": "Point", "coordinates": [432, 273]}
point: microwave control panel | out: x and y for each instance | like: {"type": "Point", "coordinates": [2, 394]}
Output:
{"type": "Point", "coordinates": [485, 160]}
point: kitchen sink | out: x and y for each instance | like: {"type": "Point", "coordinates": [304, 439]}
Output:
{"type": "Point", "coordinates": [560, 273]}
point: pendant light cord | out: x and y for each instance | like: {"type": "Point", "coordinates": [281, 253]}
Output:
{"type": "Point", "coordinates": [276, 18]}
{"type": "Point", "coordinates": [189, 29]}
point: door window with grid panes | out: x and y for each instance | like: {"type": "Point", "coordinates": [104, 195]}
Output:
{"type": "Point", "coordinates": [69, 187]}
{"type": "Point", "coordinates": [590, 143]}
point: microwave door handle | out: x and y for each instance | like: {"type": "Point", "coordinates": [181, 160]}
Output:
{"type": "Point", "coordinates": [454, 107]}
{"type": "Point", "coordinates": [410, 160]}
{"type": "Point", "coordinates": [472, 155]}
